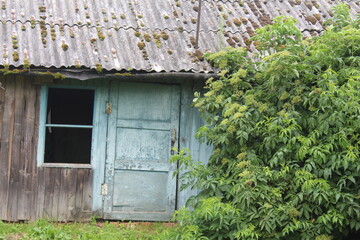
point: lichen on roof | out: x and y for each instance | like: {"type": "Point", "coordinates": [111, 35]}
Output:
{"type": "Point", "coordinates": [118, 35]}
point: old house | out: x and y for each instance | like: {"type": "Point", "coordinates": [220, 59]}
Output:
{"type": "Point", "coordinates": [95, 93]}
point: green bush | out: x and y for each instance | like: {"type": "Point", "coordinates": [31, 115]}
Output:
{"type": "Point", "coordinates": [286, 134]}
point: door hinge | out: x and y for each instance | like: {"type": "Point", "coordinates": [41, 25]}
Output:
{"type": "Point", "coordinates": [108, 108]}
{"type": "Point", "coordinates": [104, 189]}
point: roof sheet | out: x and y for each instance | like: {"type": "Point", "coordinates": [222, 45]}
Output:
{"type": "Point", "coordinates": [148, 35]}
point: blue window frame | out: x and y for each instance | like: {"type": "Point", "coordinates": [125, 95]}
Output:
{"type": "Point", "coordinates": [66, 126]}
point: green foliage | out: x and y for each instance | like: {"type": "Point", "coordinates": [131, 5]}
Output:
{"type": "Point", "coordinates": [217, 219]}
{"type": "Point", "coordinates": [46, 230]}
{"type": "Point", "coordinates": [285, 132]}
{"type": "Point", "coordinates": [277, 35]}
{"type": "Point", "coordinates": [342, 18]}
{"type": "Point", "coordinates": [229, 60]}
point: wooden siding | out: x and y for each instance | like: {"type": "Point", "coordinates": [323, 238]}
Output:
{"type": "Point", "coordinates": [26, 191]}
{"type": "Point", "coordinates": [189, 124]}
{"type": "Point", "coordinates": [64, 194]}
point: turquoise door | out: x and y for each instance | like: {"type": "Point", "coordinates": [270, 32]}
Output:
{"type": "Point", "coordinates": [143, 126]}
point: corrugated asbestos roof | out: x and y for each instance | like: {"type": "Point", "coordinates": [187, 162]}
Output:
{"type": "Point", "coordinates": [146, 35]}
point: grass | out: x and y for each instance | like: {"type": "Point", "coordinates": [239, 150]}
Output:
{"type": "Point", "coordinates": [46, 230]}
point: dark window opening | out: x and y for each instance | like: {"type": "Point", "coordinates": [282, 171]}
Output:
{"type": "Point", "coordinates": [70, 106]}
{"type": "Point", "coordinates": [69, 125]}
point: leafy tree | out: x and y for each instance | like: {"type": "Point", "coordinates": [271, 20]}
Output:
{"type": "Point", "coordinates": [342, 18]}
{"type": "Point", "coordinates": [286, 138]}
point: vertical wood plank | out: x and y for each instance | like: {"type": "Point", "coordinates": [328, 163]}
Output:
{"type": "Point", "coordinates": [67, 194]}
{"type": "Point", "coordinates": [110, 151]}
{"type": "Point", "coordinates": [4, 144]}
{"type": "Point", "coordinates": [186, 115]}
{"type": "Point", "coordinates": [32, 196]}
{"type": "Point", "coordinates": [87, 193]}
{"type": "Point", "coordinates": [39, 202]}
{"type": "Point", "coordinates": [98, 150]}
{"type": "Point", "coordinates": [21, 129]}
{"type": "Point", "coordinates": [49, 180]}
{"type": "Point", "coordinates": [190, 122]}
{"type": "Point", "coordinates": [79, 194]}
{"type": "Point", "coordinates": [35, 96]}
{"type": "Point", "coordinates": [2, 99]}
{"type": "Point", "coordinates": [175, 122]}
{"type": "Point", "coordinates": [15, 152]}
{"type": "Point", "coordinates": [64, 188]}
{"type": "Point", "coordinates": [10, 104]}
{"type": "Point", "coordinates": [71, 195]}
{"type": "Point", "coordinates": [56, 192]}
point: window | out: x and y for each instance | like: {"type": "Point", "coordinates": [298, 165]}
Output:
{"type": "Point", "coordinates": [66, 125]}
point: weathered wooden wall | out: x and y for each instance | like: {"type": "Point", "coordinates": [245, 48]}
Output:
{"type": "Point", "coordinates": [26, 191]}
{"type": "Point", "coordinates": [64, 194]}
{"type": "Point", "coordinates": [190, 122]}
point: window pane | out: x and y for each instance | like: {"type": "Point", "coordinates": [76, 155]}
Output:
{"type": "Point", "coordinates": [68, 145]}
{"type": "Point", "coordinates": [70, 106]}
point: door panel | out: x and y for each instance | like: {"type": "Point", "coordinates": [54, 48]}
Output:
{"type": "Point", "coordinates": [142, 193]}
{"type": "Point", "coordinates": [143, 145]}
{"type": "Point", "coordinates": [142, 128]}
{"type": "Point", "coordinates": [151, 102]}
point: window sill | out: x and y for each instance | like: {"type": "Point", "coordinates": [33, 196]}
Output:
{"type": "Point", "coordinates": [66, 165]}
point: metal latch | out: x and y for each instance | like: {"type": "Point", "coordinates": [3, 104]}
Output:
{"type": "Point", "coordinates": [173, 140]}
{"type": "Point", "coordinates": [104, 189]}
{"type": "Point", "coordinates": [108, 108]}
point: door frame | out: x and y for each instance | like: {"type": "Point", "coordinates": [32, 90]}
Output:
{"type": "Point", "coordinates": [110, 157]}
